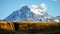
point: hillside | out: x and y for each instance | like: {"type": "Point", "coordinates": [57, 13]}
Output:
{"type": "Point", "coordinates": [30, 27]}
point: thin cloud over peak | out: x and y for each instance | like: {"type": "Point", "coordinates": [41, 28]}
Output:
{"type": "Point", "coordinates": [23, 5]}
{"type": "Point", "coordinates": [34, 6]}
{"type": "Point", "coordinates": [43, 6]}
{"type": "Point", "coordinates": [38, 9]}
{"type": "Point", "coordinates": [55, 0]}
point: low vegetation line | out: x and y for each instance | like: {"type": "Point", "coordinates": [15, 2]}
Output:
{"type": "Point", "coordinates": [30, 26]}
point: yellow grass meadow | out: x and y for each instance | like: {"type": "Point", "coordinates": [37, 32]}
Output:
{"type": "Point", "coordinates": [28, 25]}
{"type": "Point", "coordinates": [31, 27]}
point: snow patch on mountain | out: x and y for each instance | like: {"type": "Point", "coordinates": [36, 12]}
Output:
{"type": "Point", "coordinates": [38, 10]}
{"type": "Point", "coordinates": [33, 13]}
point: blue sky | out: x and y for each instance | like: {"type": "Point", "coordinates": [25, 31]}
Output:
{"type": "Point", "coordinates": [9, 6]}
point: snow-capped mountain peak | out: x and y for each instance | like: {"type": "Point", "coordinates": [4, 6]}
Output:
{"type": "Point", "coordinates": [34, 13]}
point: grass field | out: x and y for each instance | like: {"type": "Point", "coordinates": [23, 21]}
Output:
{"type": "Point", "coordinates": [30, 27]}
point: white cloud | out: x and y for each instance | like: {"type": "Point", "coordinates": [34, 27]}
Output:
{"type": "Point", "coordinates": [23, 5]}
{"type": "Point", "coordinates": [43, 6]}
{"type": "Point", "coordinates": [55, 0]}
{"type": "Point", "coordinates": [34, 6]}
{"type": "Point", "coordinates": [38, 9]}
{"type": "Point", "coordinates": [34, 9]}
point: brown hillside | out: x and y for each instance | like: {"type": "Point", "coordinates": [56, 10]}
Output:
{"type": "Point", "coordinates": [29, 25]}
{"type": "Point", "coordinates": [7, 26]}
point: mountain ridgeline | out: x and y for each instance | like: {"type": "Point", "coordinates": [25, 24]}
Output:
{"type": "Point", "coordinates": [26, 14]}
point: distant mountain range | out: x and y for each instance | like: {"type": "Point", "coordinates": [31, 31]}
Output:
{"type": "Point", "coordinates": [34, 14]}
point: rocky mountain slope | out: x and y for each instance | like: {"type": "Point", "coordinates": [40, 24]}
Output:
{"type": "Point", "coordinates": [30, 14]}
